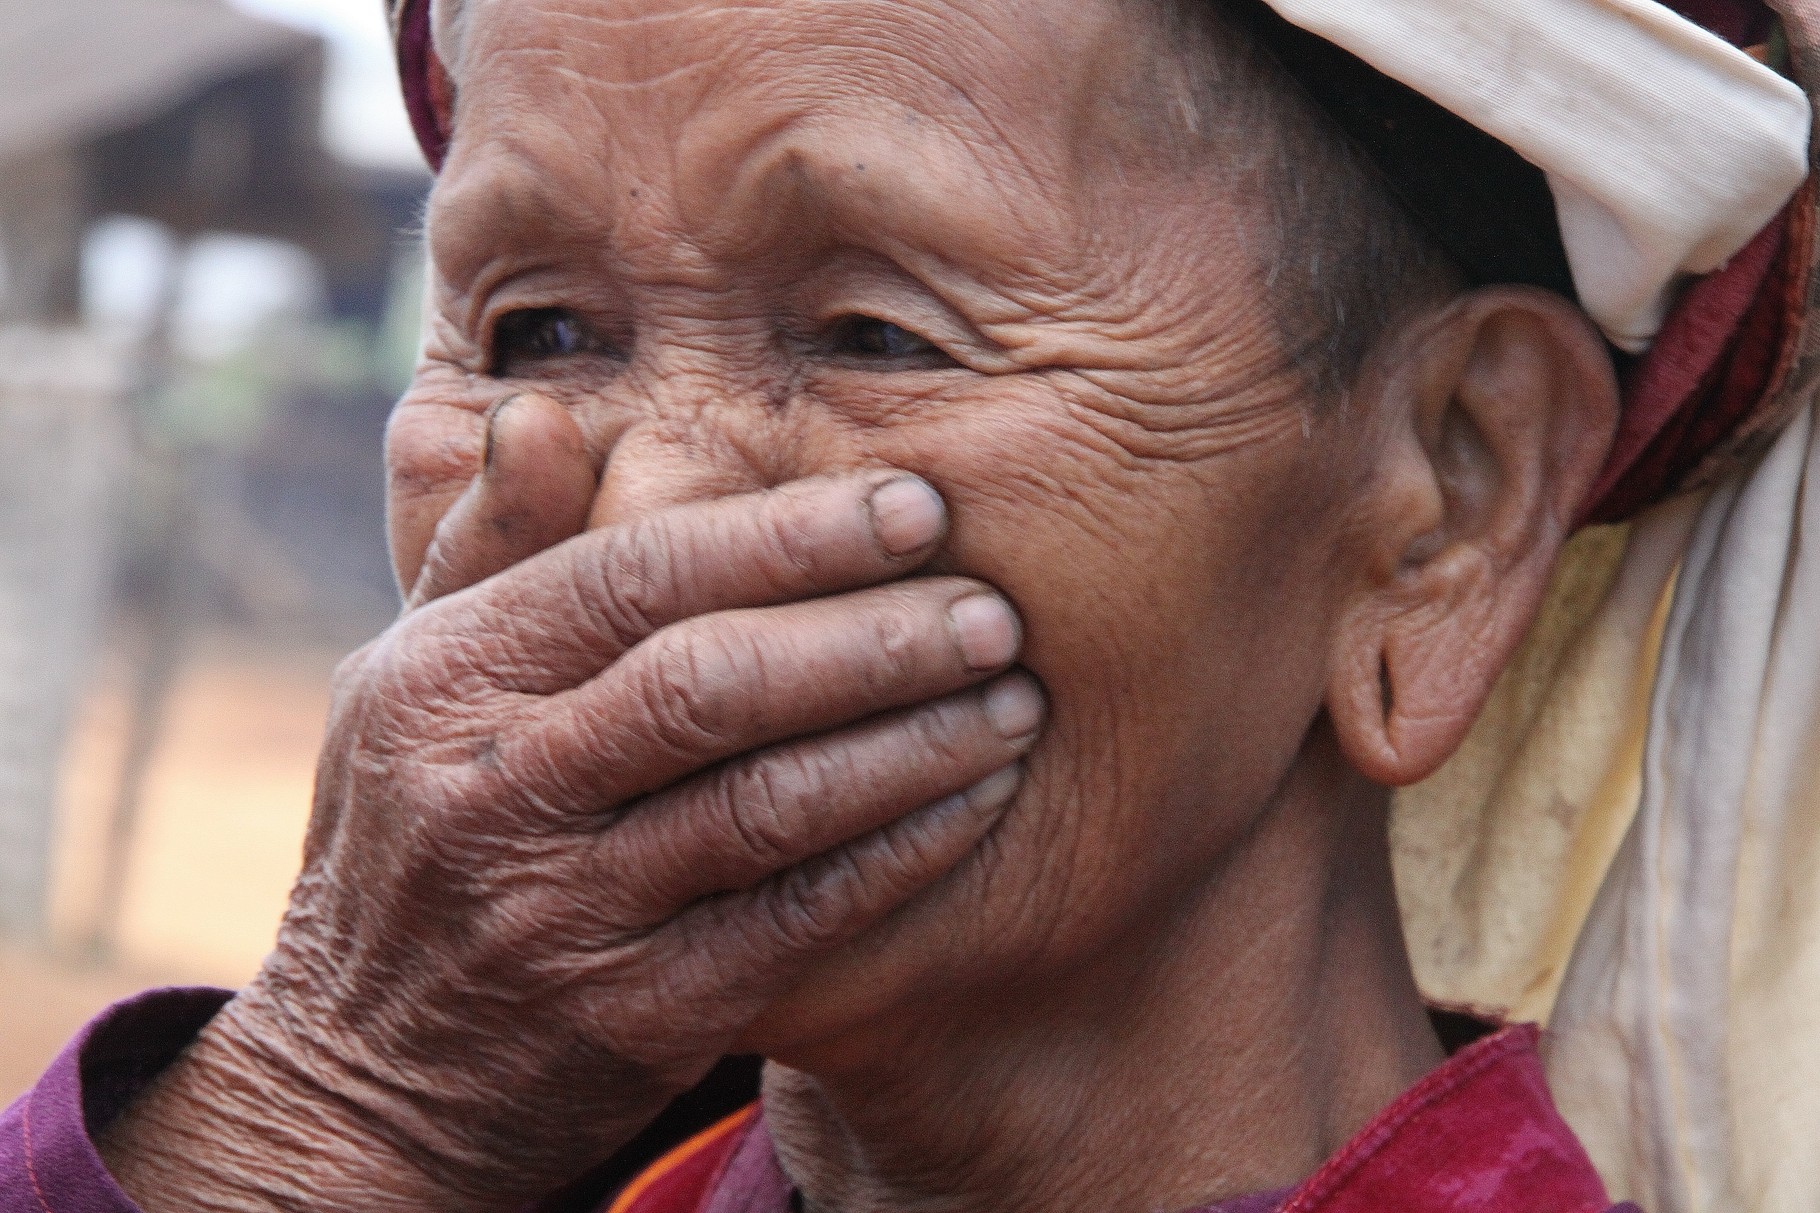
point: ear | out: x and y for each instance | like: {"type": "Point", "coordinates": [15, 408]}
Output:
{"type": "Point", "coordinates": [1495, 416]}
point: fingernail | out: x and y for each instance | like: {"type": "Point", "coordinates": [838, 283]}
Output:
{"type": "Point", "coordinates": [907, 515]}
{"type": "Point", "coordinates": [500, 406]}
{"type": "Point", "coordinates": [986, 630]}
{"type": "Point", "coordinates": [1014, 705]}
{"type": "Point", "coordinates": [996, 790]}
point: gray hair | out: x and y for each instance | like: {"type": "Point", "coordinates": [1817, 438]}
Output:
{"type": "Point", "coordinates": [1343, 261]}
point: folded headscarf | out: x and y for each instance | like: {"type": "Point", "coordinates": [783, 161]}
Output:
{"type": "Point", "coordinates": [1643, 158]}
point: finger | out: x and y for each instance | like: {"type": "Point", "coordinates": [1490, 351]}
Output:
{"type": "Point", "coordinates": [713, 687]}
{"type": "Point", "coordinates": [763, 938]}
{"type": "Point", "coordinates": [740, 824]}
{"type": "Point", "coordinates": [533, 491]}
{"type": "Point", "coordinates": [561, 618]}
{"type": "Point", "coordinates": [433, 451]}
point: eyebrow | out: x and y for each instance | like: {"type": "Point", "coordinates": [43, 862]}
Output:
{"type": "Point", "coordinates": [789, 191]}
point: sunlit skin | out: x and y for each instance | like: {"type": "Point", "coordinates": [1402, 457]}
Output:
{"type": "Point", "coordinates": [706, 249]}
{"type": "Point", "coordinates": [1105, 410]}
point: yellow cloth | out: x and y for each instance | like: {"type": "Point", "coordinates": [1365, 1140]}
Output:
{"type": "Point", "coordinates": [1686, 1038]}
{"type": "Point", "coordinates": [1499, 855]}
{"type": "Point", "coordinates": [1628, 847]}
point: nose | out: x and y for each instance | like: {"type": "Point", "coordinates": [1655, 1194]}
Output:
{"type": "Point", "coordinates": [707, 425]}
{"type": "Point", "coordinates": [654, 466]}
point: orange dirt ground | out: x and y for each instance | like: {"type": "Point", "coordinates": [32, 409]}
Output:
{"type": "Point", "coordinates": [221, 825]}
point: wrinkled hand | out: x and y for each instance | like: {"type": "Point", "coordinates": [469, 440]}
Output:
{"type": "Point", "coordinates": [577, 824]}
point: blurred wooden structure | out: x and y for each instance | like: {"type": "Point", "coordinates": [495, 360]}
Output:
{"type": "Point", "coordinates": [204, 119]}
{"type": "Point", "coordinates": [62, 424]}
{"type": "Point", "coordinates": [187, 112]}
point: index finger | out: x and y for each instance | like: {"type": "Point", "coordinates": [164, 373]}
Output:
{"type": "Point", "coordinates": [563, 616]}
{"type": "Point", "coordinates": [535, 484]}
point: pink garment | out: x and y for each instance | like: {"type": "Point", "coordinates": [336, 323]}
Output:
{"type": "Point", "coordinates": [48, 1162]}
{"type": "Point", "coordinates": [1479, 1133]}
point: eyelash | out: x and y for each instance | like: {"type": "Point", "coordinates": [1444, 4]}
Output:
{"type": "Point", "coordinates": [870, 339]}
{"type": "Point", "coordinates": [540, 334]}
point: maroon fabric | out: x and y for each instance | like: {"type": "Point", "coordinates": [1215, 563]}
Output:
{"type": "Point", "coordinates": [1707, 373]}
{"type": "Point", "coordinates": [1714, 364]}
{"type": "Point", "coordinates": [48, 1162]}
{"type": "Point", "coordinates": [417, 70]}
{"type": "Point", "coordinates": [748, 1179]}
{"type": "Point", "coordinates": [1739, 22]}
{"type": "Point", "coordinates": [1480, 1133]}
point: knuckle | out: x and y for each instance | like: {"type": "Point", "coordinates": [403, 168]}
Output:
{"type": "Point", "coordinates": [761, 800]}
{"type": "Point", "coordinates": [470, 663]}
{"type": "Point", "coordinates": [794, 558]}
{"type": "Point", "coordinates": [528, 772]}
{"type": "Point", "coordinates": [812, 909]}
{"type": "Point", "coordinates": [899, 632]}
{"type": "Point", "coordinates": [682, 691]}
{"type": "Point", "coordinates": [945, 735]}
{"type": "Point", "coordinates": [628, 893]}
{"type": "Point", "coordinates": [635, 576]}
{"type": "Point", "coordinates": [352, 668]}
{"type": "Point", "coordinates": [906, 852]}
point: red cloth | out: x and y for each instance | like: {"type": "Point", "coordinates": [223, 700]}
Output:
{"type": "Point", "coordinates": [417, 66]}
{"type": "Point", "coordinates": [1739, 22]}
{"type": "Point", "coordinates": [1710, 370]}
{"type": "Point", "coordinates": [1480, 1133]}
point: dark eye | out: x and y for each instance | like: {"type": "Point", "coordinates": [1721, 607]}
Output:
{"type": "Point", "coordinates": [870, 337]}
{"type": "Point", "coordinates": [542, 332]}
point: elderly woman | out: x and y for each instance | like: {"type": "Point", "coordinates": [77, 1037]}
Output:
{"type": "Point", "coordinates": [931, 530]}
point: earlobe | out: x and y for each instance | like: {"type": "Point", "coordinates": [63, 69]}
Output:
{"type": "Point", "coordinates": [1498, 417]}
{"type": "Point", "coordinates": [1361, 698]}
{"type": "Point", "coordinates": [1405, 694]}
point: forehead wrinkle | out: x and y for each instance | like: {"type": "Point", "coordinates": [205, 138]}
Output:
{"type": "Point", "coordinates": [877, 170]}
{"type": "Point", "coordinates": [977, 81]}
{"type": "Point", "coordinates": [567, 27]}
{"type": "Point", "coordinates": [530, 60]}
{"type": "Point", "coordinates": [808, 98]}
{"type": "Point", "coordinates": [891, 195]}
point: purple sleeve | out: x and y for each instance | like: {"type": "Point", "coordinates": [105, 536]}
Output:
{"type": "Point", "coordinates": [48, 1162]}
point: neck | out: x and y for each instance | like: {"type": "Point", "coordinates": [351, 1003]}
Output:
{"type": "Point", "coordinates": [1228, 1052]}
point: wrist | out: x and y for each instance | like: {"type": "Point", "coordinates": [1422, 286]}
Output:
{"type": "Point", "coordinates": [243, 1122]}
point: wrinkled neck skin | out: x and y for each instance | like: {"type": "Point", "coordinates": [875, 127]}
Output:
{"type": "Point", "coordinates": [1230, 1050]}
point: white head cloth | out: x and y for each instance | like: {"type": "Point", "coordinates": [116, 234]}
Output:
{"type": "Point", "coordinates": [1666, 147]}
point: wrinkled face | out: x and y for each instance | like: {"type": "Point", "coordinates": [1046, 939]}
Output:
{"type": "Point", "coordinates": [750, 241]}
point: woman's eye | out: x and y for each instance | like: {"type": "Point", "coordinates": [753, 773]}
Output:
{"type": "Point", "coordinates": [870, 337]}
{"type": "Point", "coordinates": [542, 332]}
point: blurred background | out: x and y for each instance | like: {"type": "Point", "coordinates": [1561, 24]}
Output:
{"type": "Point", "coordinates": [208, 300]}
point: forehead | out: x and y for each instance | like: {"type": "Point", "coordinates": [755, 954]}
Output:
{"type": "Point", "coordinates": [686, 95]}
{"type": "Point", "coordinates": [986, 57]}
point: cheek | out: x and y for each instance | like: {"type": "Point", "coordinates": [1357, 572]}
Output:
{"type": "Point", "coordinates": [1175, 609]}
